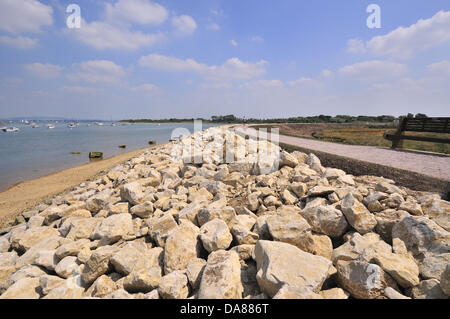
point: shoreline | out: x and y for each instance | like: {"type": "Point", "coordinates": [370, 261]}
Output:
{"type": "Point", "coordinates": [26, 194]}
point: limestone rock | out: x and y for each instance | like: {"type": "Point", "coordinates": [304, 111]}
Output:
{"type": "Point", "coordinates": [82, 228]}
{"type": "Point", "coordinates": [114, 228]}
{"type": "Point", "coordinates": [143, 210]}
{"type": "Point", "coordinates": [334, 293]}
{"type": "Point", "coordinates": [326, 220]}
{"type": "Point", "coordinates": [194, 272]}
{"type": "Point", "coordinates": [244, 251]}
{"type": "Point", "coordinates": [292, 229]}
{"type": "Point", "coordinates": [428, 289]}
{"type": "Point", "coordinates": [4, 244]}
{"type": "Point", "coordinates": [33, 236]}
{"type": "Point", "coordinates": [422, 235]}
{"type": "Point", "coordinates": [281, 263]}
{"type": "Point", "coordinates": [439, 212]}
{"type": "Point", "coordinates": [445, 281]}
{"type": "Point", "coordinates": [362, 280]}
{"type": "Point", "coordinates": [98, 202]}
{"type": "Point", "coordinates": [322, 246]}
{"type": "Point", "coordinates": [393, 294]}
{"type": "Point", "coordinates": [433, 266]}
{"type": "Point", "coordinates": [143, 280]}
{"type": "Point", "coordinates": [221, 277]}
{"type": "Point", "coordinates": [174, 286]}
{"type": "Point", "coordinates": [299, 189]}
{"type": "Point", "coordinates": [215, 235]}
{"type": "Point", "coordinates": [357, 215]}
{"type": "Point", "coordinates": [132, 193]}
{"type": "Point", "coordinates": [181, 246]}
{"type": "Point", "coordinates": [386, 220]}
{"type": "Point", "coordinates": [26, 288]}
{"type": "Point", "coordinates": [244, 236]}
{"type": "Point", "coordinates": [287, 159]}
{"type": "Point", "coordinates": [101, 287]}
{"type": "Point", "coordinates": [46, 259]}
{"type": "Point", "coordinates": [288, 292]}
{"type": "Point", "coordinates": [160, 227]}
{"type": "Point", "coordinates": [49, 282]}
{"type": "Point", "coordinates": [320, 191]}
{"type": "Point", "coordinates": [67, 267]}
{"type": "Point", "coordinates": [98, 264]}
{"type": "Point", "coordinates": [288, 197]}
{"type": "Point", "coordinates": [72, 248]}
{"type": "Point", "coordinates": [126, 258]}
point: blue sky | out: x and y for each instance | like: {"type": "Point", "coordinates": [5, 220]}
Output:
{"type": "Point", "coordinates": [177, 58]}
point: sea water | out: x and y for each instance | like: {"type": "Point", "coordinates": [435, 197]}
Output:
{"type": "Point", "coordinates": [36, 152]}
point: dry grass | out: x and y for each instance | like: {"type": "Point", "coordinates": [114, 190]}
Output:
{"type": "Point", "coordinates": [358, 134]}
{"type": "Point", "coordinates": [374, 137]}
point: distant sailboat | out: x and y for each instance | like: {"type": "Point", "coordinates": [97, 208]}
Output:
{"type": "Point", "coordinates": [10, 129]}
{"type": "Point", "coordinates": [99, 123]}
{"type": "Point", "coordinates": [34, 125]}
{"type": "Point", "coordinates": [50, 126]}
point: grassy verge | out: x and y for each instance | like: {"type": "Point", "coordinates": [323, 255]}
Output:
{"type": "Point", "coordinates": [361, 134]}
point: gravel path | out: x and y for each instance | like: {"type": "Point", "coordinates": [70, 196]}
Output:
{"type": "Point", "coordinates": [434, 165]}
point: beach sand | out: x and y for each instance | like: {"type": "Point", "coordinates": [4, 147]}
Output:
{"type": "Point", "coordinates": [28, 194]}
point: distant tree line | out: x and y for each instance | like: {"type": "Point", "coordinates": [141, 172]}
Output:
{"type": "Point", "coordinates": [231, 119]}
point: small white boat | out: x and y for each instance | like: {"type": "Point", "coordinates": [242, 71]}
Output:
{"type": "Point", "coordinates": [99, 123]}
{"type": "Point", "coordinates": [50, 126]}
{"type": "Point", "coordinates": [34, 125]}
{"type": "Point", "coordinates": [10, 129]}
{"type": "Point", "coordinates": [71, 125]}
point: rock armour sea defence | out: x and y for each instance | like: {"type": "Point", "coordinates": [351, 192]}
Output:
{"type": "Point", "coordinates": [215, 215]}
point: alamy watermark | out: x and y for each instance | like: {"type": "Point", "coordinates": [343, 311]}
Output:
{"type": "Point", "coordinates": [374, 19]}
{"type": "Point", "coordinates": [73, 21]}
{"type": "Point", "coordinates": [239, 145]}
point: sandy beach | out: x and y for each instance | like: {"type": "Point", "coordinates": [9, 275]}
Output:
{"type": "Point", "coordinates": [26, 195]}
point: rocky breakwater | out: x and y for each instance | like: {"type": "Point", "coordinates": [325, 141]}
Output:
{"type": "Point", "coordinates": [168, 224]}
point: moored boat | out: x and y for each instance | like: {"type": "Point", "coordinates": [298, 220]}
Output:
{"type": "Point", "coordinates": [10, 129]}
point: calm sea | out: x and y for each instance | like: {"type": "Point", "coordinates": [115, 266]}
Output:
{"type": "Point", "coordinates": [36, 152]}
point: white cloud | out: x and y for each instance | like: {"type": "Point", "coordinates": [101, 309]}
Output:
{"type": "Point", "coordinates": [404, 42]}
{"type": "Point", "coordinates": [184, 24]}
{"type": "Point", "coordinates": [356, 46]}
{"type": "Point", "coordinates": [98, 71]}
{"type": "Point", "coordinates": [82, 89]}
{"type": "Point", "coordinates": [213, 27]}
{"type": "Point", "coordinates": [257, 39]}
{"type": "Point", "coordinates": [233, 43]}
{"type": "Point", "coordinates": [232, 69]}
{"type": "Point", "coordinates": [262, 84]}
{"type": "Point", "coordinates": [373, 70]}
{"type": "Point", "coordinates": [136, 11]}
{"type": "Point", "coordinates": [305, 82]}
{"type": "Point", "coordinates": [149, 88]}
{"type": "Point", "coordinates": [440, 67]}
{"type": "Point", "coordinates": [44, 70]}
{"type": "Point", "coordinates": [18, 16]}
{"type": "Point", "coordinates": [166, 63]}
{"type": "Point", "coordinates": [19, 42]}
{"type": "Point", "coordinates": [216, 85]}
{"type": "Point", "coordinates": [326, 74]}
{"type": "Point", "coordinates": [104, 36]}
